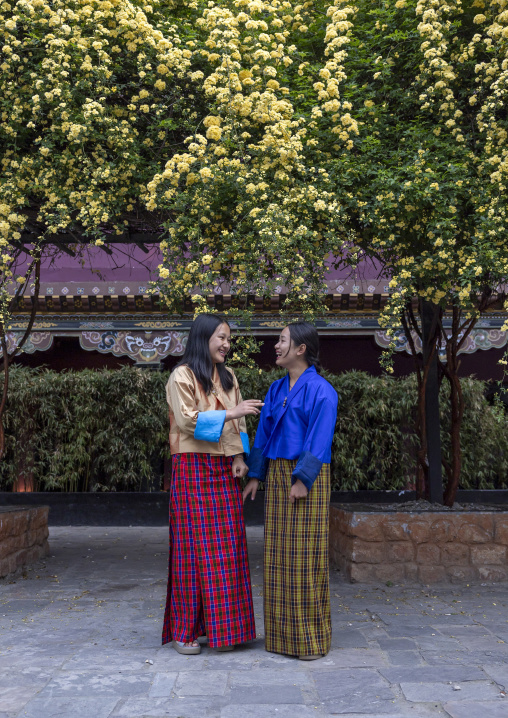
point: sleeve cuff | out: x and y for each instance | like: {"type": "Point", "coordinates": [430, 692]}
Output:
{"type": "Point", "coordinates": [307, 469]}
{"type": "Point", "coordinates": [245, 443]}
{"type": "Point", "coordinates": [209, 425]}
{"type": "Point", "coordinates": [257, 464]}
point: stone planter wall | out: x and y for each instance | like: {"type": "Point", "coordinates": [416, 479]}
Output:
{"type": "Point", "coordinates": [23, 537]}
{"type": "Point", "coordinates": [371, 545]}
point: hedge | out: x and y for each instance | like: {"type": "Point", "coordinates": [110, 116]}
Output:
{"type": "Point", "coordinates": [107, 430]}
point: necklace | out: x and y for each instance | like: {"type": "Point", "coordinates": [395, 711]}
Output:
{"type": "Point", "coordinates": [285, 398]}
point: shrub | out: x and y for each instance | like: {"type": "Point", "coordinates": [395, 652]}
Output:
{"type": "Point", "coordinates": [108, 430]}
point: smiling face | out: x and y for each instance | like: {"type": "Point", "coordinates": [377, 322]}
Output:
{"type": "Point", "coordinates": [287, 354]}
{"type": "Point", "coordinates": [220, 343]}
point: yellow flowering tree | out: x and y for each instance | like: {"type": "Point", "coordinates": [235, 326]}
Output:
{"type": "Point", "coordinates": [272, 139]}
{"type": "Point", "coordinates": [92, 94]}
{"type": "Point", "coordinates": [425, 184]}
{"type": "Point", "coordinates": [251, 200]}
{"type": "Point", "coordinates": [341, 128]}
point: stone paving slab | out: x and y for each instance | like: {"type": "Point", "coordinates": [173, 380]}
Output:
{"type": "Point", "coordinates": [72, 707]}
{"type": "Point", "coordinates": [349, 691]}
{"type": "Point", "coordinates": [80, 638]}
{"type": "Point", "coordinates": [443, 692]}
{"type": "Point", "coordinates": [292, 710]}
{"type": "Point", "coordinates": [498, 673]}
{"type": "Point", "coordinates": [174, 707]}
{"type": "Point", "coordinates": [490, 709]}
{"type": "Point", "coordinates": [433, 674]}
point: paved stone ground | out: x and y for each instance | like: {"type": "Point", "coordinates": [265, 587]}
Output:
{"type": "Point", "coordinates": [80, 638]}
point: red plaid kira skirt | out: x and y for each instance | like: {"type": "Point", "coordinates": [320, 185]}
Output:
{"type": "Point", "coordinates": [209, 590]}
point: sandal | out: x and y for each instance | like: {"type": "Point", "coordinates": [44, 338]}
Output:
{"type": "Point", "coordinates": [224, 649]}
{"type": "Point", "coordinates": [310, 658]}
{"type": "Point", "coordinates": [186, 650]}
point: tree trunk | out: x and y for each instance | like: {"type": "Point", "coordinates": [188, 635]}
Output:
{"type": "Point", "coordinates": [456, 409]}
{"type": "Point", "coordinates": [431, 316]}
{"type": "Point", "coordinates": [6, 359]}
{"type": "Point", "coordinates": [428, 468]}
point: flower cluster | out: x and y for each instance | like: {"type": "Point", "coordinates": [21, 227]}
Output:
{"type": "Point", "coordinates": [91, 94]}
{"type": "Point", "coordinates": [251, 197]}
{"type": "Point", "coordinates": [272, 138]}
{"type": "Point", "coordinates": [425, 184]}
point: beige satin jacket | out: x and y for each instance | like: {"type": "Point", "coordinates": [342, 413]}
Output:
{"type": "Point", "coordinates": [197, 419]}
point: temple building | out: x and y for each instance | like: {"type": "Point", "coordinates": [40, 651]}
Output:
{"type": "Point", "coordinates": [106, 317]}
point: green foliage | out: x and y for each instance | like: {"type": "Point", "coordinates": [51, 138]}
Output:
{"type": "Point", "coordinates": [108, 430]}
{"type": "Point", "coordinates": [86, 431]}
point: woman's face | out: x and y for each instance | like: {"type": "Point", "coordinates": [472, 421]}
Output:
{"type": "Point", "coordinates": [219, 344]}
{"type": "Point", "coordinates": [286, 353]}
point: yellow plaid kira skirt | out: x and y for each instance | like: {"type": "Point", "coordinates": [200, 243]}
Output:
{"type": "Point", "coordinates": [296, 567]}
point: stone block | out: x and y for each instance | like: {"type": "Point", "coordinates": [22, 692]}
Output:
{"type": "Point", "coordinates": [460, 574]}
{"type": "Point", "coordinates": [488, 554]}
{"type": "Point", "coordinates": [492, 573]}
{"type": "Point", "coordinates": [6, 521]}
{"type": "Point", "coordinates": [21, 523]}
{"type": "Point", "coordinates": [431, 574]}
{"type": "Point", "coordinates": [4, 567]}
{"type": "Point", "coordinates": [23, 537]}
{"type": "Point", "coordinates": [339, 519]}
{"type": "Point", "coordinates": [395, 527]}
{"type": "Point", "coordinates": [39, 517]}
{"type": "Point", "coordinates": [411, 571]}
{"type": "Point", "coordinates": [398, 551]}
{"type": "Point", "coordinates": [419, 531]}
{"type": "Point", "coordinates": [336, 558]}
{"type": "Point", "coordinates": [22, 557]}
{"type": "Point", "coordinates": [456, 554]}
{"type": "Point", "coordinates": [8, 565]}
{"type": "Point", "coordinates": [444, 529]}
{"type": "Point", "coordinates": [390, 572]}
{"type": "Point", "coordinates": [36, 537]}
{"type": "Point", "coordinates": [13, 523]}
{"type": "Point", "coordinates": [9, 546]}
{"type": "Point", "coordinates": [361, 573]}
{"type": "Point", "coordinates": [367, 551]}
{"type": "Point", "coordinates": [501, 529]}
{"type": "Point", "coordinates": [368, 527]}
{"type": "Point", "coordinates": [476, 528]}
{"type": "Point", "coordinates": [344, 546]}
{"type": "Point", "coordinates": [428, 554]}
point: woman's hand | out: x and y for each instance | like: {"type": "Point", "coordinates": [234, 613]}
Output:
{"type": "Point", "coordinates": [251, 488]}
{"type": "Point", "coordinates": [239, 467]}
{"type": "Point", "coordinates": [249, 407]}
{"type": "Point", "coordinates": [298, 491]}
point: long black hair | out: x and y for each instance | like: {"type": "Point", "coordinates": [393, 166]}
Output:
{"type": "Point", "coordinates": [305, 333]}
{"type": "Point", "coordinates": [197, 352]}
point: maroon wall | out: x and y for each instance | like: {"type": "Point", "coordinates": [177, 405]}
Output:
{"type": "Point", "coordinates": [345, 353]}
{"type": "Point", "coordinates": [338, 354]}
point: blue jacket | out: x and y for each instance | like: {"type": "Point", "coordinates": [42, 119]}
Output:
{"type": "Point", "coordinates": [303, 429]}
